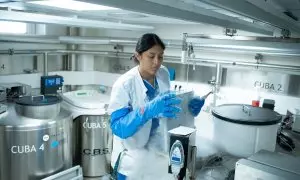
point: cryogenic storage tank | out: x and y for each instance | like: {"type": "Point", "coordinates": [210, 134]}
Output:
{"type": "Point", "coordinates": [92, 144]}
{"type": "Point", "coordinates": [35, 138]}
{"type": "Point", "coordinates": [242, 130]}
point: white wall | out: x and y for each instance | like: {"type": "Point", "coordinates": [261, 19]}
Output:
{"type": "Point", "coordinates": [15, 64]}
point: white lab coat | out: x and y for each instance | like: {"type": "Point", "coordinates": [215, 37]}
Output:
{"type": "Point", "coordinates": [143, 158]}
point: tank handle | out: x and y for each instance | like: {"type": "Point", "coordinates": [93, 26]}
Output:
{"type": "Point", "coordinates": [32, 97]}
{"type": "Point", "coordinates": [247, 110]}
{"type": "Point", "coordinates": [106, 108]}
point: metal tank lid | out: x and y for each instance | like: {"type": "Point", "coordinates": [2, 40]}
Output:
{"type": "Point", "coordinates": [246, 114]}
{"type": "Point", "coordinates": [42, 100]}
{"type": "Point", "coordinates": [88, 99]}
{"type": "Point", "coordinates": [10, 120]}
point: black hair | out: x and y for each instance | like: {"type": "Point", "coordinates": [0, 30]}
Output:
{"type": "Point", "coordinates": [147, 41]}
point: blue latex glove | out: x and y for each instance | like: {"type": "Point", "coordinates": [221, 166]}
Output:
{"type": "Point", "coordinates": [163, 105]}
{"type": "Point", "coordinates": [125, 122]}
{"type": "Point", "coordinates": [195, 105]}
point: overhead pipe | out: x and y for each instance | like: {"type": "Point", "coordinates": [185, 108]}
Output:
{"type": "Point", "coordinates": [184, 48]}
{"type": "Point", "coordinates": [202, 61]}
{"type": "Point", "coordinates": [291, 54]}
{"type": "Point", "coordinates": [105, 40]}
{"type": "Point", "coordinates": [177, 44]}
{"type": "Point", "coordinates": [217, 85]}
{"type": "Point", "coordinates": [235, 48]}
{"type": "Point", "coordinates": [244, 38]}
{"type": "Point", "coordinates": [35, 63]}
{"type": "Point", "coordinates": [93, 40]}
{"type": "Point", "coordinates": [218, 74]}
{"type": "Point", "coordinates": [45, 64]}
{"type": "Point", "coordinates": [71, 58]}
{"type": "Point", "coordinates": [170, 59]}
{"type": "Point", "coordinates": [71, 61]}
{"type": "Point", "coordinates": [236, 44]}
{"type": "Point", "coordinates": [23, 52]}
{"type": "Point", "coordinates": [29, 39]}
{"type": "Point", "coordinates": [52, 52]}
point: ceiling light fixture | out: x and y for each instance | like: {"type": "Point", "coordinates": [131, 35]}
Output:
{"type": "Point", "coordinates": [73, 5]}
{"type": "Point", "coordinates": [68, 21]}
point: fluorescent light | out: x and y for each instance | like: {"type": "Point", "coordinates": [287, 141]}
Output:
{"type": "Point", "coordinates": [73, 5]}
{"type": "Point", "coordinates": [232, 14]}
{"type": "Point", "coordinates": [67, 21]}
{"type": "Point", "coordinates": [13, 27]}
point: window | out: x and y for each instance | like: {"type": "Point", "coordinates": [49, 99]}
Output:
{"type": "Point", "coordinates": [13, 27]}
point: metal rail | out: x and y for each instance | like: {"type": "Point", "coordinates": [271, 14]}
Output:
{"type": "Point", "coordinates": [176, 44]}
{"type": "Point", "coordinates": [169, 59]}
{"type": "Point", "coordinates": [244, 38]}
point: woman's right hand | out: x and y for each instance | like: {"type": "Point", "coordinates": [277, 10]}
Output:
{"type": "Point", "coordinates": [164, 105]}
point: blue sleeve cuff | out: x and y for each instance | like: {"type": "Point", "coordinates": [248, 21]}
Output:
{"type": "Point", "coordinates": [125, 122]}
{"type": "Point", "coordinates": [195, 105]}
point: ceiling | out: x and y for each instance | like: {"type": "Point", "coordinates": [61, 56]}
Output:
{"type": "Point", "coordinates": [258, 16]}
{"type": "Point", "coordinates": [291, 5]}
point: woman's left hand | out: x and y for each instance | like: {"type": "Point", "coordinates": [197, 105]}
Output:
{"type": "Point", "coordinates": [195, 105]}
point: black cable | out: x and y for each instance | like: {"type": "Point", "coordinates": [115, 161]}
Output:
{"type": "Point", "coordinates": [285, 142]}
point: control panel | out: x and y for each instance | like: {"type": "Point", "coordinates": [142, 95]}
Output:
{"type": "Point", "coordinates": [51, 84]}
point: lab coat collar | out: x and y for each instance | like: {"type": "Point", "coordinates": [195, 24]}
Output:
{"type": "Point", "coordinates": [140, 82]}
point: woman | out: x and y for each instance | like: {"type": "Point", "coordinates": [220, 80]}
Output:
{"type": "Point", "coordinates": [139, 98]}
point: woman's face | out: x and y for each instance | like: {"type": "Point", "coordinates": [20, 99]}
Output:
{"type": "Point", "coordinates": [150, 60]}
